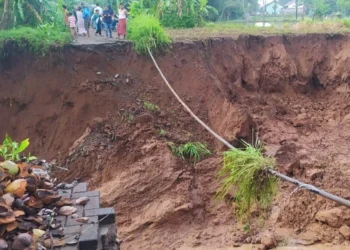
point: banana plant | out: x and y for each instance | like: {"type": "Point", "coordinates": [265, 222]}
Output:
{"type": "Point", "coordinates": [10, 150]}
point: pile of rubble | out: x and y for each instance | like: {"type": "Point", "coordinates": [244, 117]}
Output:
{"type": "Point", "coordinates": [37, 213]}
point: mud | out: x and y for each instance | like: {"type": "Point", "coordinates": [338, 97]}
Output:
{"type": "Point", "coordinates": [292, 91]}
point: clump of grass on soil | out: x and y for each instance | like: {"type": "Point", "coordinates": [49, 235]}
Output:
{"type": "Point", "coordinates": [145, 31]}
{"type": "Point", "coordinates": [151, 107]}
{"type": "Point", "coordinates": [192, 151]}
{"type": "Point", "coordinates": [245, 171]}
{"type": "Point", "coordinates": [35, 40]}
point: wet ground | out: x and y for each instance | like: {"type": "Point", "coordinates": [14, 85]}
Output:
{"type": "Point", "coordinates": [96, 39]}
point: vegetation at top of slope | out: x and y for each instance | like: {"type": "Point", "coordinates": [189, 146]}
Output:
{"type": "Point", "coordinates": [245, 172]}
{"type": "Point", "coordinates": [233, 29]}
{"type": "Point", "coordinates": [36, 40]}
{"type": "Point", "coordinates": [145, 31]}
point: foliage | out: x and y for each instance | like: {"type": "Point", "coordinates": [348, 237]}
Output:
{"type": "Point", "coordinates": [175, 13]}
{"type": "Point", "coordinates": [10, 150]}
{"type": "Point", "coordinates": [193, 151]}
{"type": "Point", "coordinates": [344, 6]}
{"type": "Point", "coordinates": [203, 10]}
{"type": "Point", "coordinates": [246, 171]}
{"type": "Point", "coordinates": [146, 32]}
{"type": "Point", "coordinates": [346, 23]}
{"type": "Point", "coordinates": [36, 40]}
{"type": "Point", "coordinates": [177, 22]}
{"type": "Point", "coordinates": [151, 107]}
{"type": "Point", "coordinates": [234, 9]}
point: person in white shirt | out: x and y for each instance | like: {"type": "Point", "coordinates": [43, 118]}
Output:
{"type": "Point", "coordinates": [100, 10]}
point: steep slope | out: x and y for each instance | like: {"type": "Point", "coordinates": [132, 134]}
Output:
{"type": "Point", "coordinates": [291, 90]}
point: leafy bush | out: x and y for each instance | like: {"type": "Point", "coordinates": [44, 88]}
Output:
{"type": "Point", "coordinates": [10, 150]}
{"type": "Point", "coordinates": [346, 23]}
{"type": "Point", "coordinates": [246, 171]}
{"type": "Point", "coordinates": [176, 22]}
{"type": "Point", "coordinates": [191, 151]}
{"type": "Point", "coordinates": [36, 40]}
{"type": "Point", "coordinates": [146, 32]}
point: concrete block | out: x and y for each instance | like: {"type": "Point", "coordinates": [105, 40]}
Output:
{"type": "Point", "coordinates": [93, 203]}
{"type": "Point", "coordinates": [73, 222]}
{"type": "Point", "coordinates": [74, 247]}
{"type": "Point", "coordinates": [62, 219]}
{"type": "Point", "coordinates": [70, 233]}
{"type": "Point", "coordinates": [89, 237]}
{"type": "Point", "coordinates": [81, 187]}
{"type": "Point", "coordinates": [87, 194]}
{"type": "Point", "coordinates": [108, 212]}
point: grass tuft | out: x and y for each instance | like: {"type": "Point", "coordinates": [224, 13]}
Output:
{"type": "Point", "coordinates": [151, 107]}
{"type": "Point", "coordinates": [246, 172]}
{"type": "Point", "coordinates": [145, 31]}
{"type": "Point", "coordinates": [193, 151]}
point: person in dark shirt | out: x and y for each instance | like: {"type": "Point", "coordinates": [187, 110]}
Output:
{"type": "Point", "coordinates": [107, 20]}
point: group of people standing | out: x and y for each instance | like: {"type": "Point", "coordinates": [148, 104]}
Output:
{"type": "Point", "coordinates": [80, 18]}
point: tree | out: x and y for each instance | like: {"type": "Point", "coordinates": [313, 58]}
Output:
{"type": "Point", "coordinates": [7, 19]}
{"type": "Point", "coordinates": [344, 6]}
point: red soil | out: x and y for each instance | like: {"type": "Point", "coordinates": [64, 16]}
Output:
{"type": "Point", "coordinates": [292, 90]}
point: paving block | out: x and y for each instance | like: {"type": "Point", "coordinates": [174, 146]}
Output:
{"type": "Point", "coordinates": [80, 211]}
{"type": "Point", "coordinates": [72, 247]}
{"type": "Point", "coordinates": [94, 202]}
{"type": "Point", "coordinates": [87, 194]}
{"type": "Point", "coordinates": [73, 222]}
{"type": "Point", "coordinates": [66, 193]}
{"type": "Point", "coordinates": [108, 212]}
{"type": "Point", "coordinates": [80, 187]}
{"type": "Point", "coordinates": [89, 238]}
{"type": "Point", "coordinates": [70, 233]}
{"type": "Point", "coordinates": [61, 219]}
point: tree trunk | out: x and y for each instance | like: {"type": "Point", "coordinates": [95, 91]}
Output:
{"type": "Point", "coordinates": [7, 20]}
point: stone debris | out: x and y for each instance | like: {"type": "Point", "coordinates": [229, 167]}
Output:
{"type": "Point", "coordinates": [38, 213]}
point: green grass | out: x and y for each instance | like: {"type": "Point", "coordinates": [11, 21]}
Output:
{"type": "Point", "coordinates": [145, 32]}
{"type": "Point", "coordinates": [245, 173]}
{"type": "Point", "coordinates": [192, 151]}
{"type": "Point", "coordinates": [162, 132]}
{"type": "Point", "coordinates": [35, 40]}
{"type": "Point", "coordinates": [234, 29]}
{"type": "Point", "coordinates": [151, 107]}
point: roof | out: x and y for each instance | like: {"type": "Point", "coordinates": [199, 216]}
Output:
{"type": "Point", "coordinates": [270, 3]}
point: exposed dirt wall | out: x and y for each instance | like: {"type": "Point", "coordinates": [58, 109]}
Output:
{"type": "Point", "coordinates": [292, 90]}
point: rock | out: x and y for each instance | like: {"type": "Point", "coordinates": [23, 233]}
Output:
{"type": "Point", "coordinates": [332, 217]}
{"type": "Point", "coordinates": [313, 174]}
{"type": "Point", "coordinates": [236, 244]}
{"type": "Point", "coordinates": [98, 73]}
{"type": "Point", "coordinates": [300, 120]}
{"type": "Point", "coordinates": [116, 76]}
{"type": "Point", "coordinates": [345, 231]}
{"type": "Point", "coordinates": [268, 239]}
{"type": "Point", "coordinates": [98, 88]}
{"type": "Point", "coordinates": [307, 238]}
{"type": "Point", "coordinates": [260, 247]}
